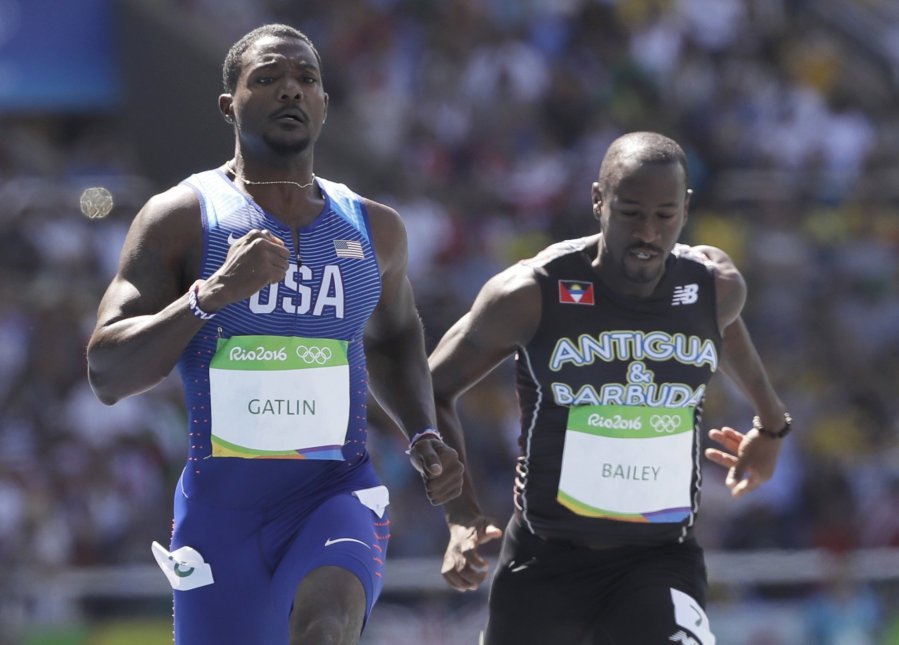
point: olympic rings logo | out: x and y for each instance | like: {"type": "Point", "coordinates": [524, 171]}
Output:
{"type": "Point", "coordinates": [666, 423]}
{"type": "Point", "coordinates": [314, 354]}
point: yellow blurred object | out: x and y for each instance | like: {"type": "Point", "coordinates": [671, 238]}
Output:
{"type": "Point", "coordinates": [132, 632]}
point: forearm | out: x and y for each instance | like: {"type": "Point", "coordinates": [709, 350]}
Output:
{"type": "Point", "coordinates": [742, 364]}
{"type": "Point", "coordinates": [131, 355]}
{"type": "Point", "coordinates": [400, 380]}
{"type": "Point", "coordinates": [466, 506]}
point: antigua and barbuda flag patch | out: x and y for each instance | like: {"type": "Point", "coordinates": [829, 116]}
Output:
{"type": "Point", "coordinates": [575, 293]}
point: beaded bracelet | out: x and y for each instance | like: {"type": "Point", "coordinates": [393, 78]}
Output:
{"type": "Point", "coordinates": [778, 434]}
{"type": "Point", "coordinates": [420, 435]}
{"type": "Point", "coordinates": [193, 302]}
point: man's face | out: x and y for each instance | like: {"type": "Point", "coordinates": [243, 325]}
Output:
{"type": "Point", "coordinates": [279, 101]}
{"type": "Point", "coordinates": [641, 217]}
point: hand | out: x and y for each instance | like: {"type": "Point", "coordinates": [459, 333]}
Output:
{"type": "Point", "coordinates": [440, 468]}
{"type": "Point", "coordinates": [749, 457]}
{"type": "Point", "coordinates": [255, 260]}
{"type": "Point", "coordinates": [463, 567]}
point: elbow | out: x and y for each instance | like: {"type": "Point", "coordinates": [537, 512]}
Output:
{"type": "Point", "coordinates": [103, 389]}
{"type": "Point", "coordinates": [106, 387]}
{"type": "Point", "coordinates": [444, 401]}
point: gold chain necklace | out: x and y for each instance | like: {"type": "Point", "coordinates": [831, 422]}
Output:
{"type": "Point", "coordinates": [239, 175]}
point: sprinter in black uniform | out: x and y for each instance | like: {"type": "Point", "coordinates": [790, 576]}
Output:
{"type": "Point", "coordinates": [615, 336]}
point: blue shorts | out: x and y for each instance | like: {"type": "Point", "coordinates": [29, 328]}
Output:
{"type": "Point", "coordinates": [257, 558]}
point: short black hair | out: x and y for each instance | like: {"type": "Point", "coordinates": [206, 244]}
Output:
{"type": "Point", "coordinates": [232, 66]}
{"type": "Point", "coordinates": [643, 147]}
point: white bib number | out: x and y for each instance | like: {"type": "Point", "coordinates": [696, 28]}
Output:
{"type": "Point", "coordinates": [628, 463]}
{"type": "Point", "coordinates": [279, 397]}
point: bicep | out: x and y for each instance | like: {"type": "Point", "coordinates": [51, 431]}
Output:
{"type": "Point", "coordinates": [504, 316]}
{"type": "Point", "coordinates": [395, 311]}
{"type": "Point", "coordinates": [153, 261]}
{"type": "Point", "coordinates": [730, 287]}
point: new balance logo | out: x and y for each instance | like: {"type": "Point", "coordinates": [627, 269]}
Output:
{"type": "Point", "coordinates": [682, 637]}
{"type": "Point", "coordinates": [685, 294]}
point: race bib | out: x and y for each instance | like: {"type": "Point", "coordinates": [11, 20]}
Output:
{"type": "Point", "coordinates": [277, 397]}
{"type": "Point", "coordinates": [628, 463]}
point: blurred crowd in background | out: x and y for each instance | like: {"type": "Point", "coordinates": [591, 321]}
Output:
{"type": "Point", "coordinates": [483, 123]}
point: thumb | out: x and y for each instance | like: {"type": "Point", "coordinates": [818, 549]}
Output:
{"type": "Point", "coordinates": [492, 532]}
{"type": "Point", "coordinates": [435, 468]}
{"type": "Point", "coordinates": [427, 459]}
{"type": "Point", "coordinates": [738, 472]}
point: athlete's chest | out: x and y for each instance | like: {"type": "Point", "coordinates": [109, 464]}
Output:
{"type": "Point", "coordinates": [330, 288]}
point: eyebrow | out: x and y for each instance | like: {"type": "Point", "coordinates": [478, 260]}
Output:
{"type": "Point", "coordinates": [631, 202]}
{"type": "Point", "coordinates": [274, 59]}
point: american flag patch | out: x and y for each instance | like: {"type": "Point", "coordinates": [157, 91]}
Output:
{"type": "Point", "coordinates": [349, 249]}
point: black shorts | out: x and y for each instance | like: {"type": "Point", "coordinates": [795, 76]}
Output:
{"type": "Point", "coordinates": [550, 593]}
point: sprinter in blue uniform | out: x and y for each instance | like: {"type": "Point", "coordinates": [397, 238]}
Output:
{"type": "Point", "coordinates": [615, 337]}
{"type": "Point", "coordinates": [276, 293]}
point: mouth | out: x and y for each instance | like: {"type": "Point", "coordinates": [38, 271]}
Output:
{"type": "Point", "coordinates": [290, 115]}
{"type": "Point", "coordinates": [645, 253]}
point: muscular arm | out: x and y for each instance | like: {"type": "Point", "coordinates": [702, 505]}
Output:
{"type": "Point", "coordinates": [739, 359]}
{"type": "Point", "coordinates": [504, 315]}
{"type": "Point", "coordinates": [394, 339]}
{"type": "Point", "coordinates": [741, 363]}
{"type": "Point", "coordinates": [398, 364]}
{"type": "Point", "coordinates": [750, 458]}
{"type": "Point", "coordinates": [143, 322]}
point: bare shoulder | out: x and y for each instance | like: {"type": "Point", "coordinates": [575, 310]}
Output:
{"type": "Point", "coordinates": [514, 283]}
{"type": "Point", "coordinates": [382, 214]}
{"type": "Point", "coordinates": [161, 254]}
{"type": "Point", "coordinates": [718, 260]}
{"type": "Point", "coordinates": [388, 233]}
{"type": "Point", "coordinates": [508, 306]}
{"type": "Point", "coordinates": [176, 208]}
{"type": "Point", "coordinates": [505, 315]}
{"type": "Point", "coordinates": [729, 283]}
{"type": "Point", "coordinates": [168, 226]}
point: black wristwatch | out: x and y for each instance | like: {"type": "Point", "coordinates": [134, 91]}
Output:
{"type": "Point", "coordinates": [774, 434]}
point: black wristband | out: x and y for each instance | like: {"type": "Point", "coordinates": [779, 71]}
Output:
{"type": "Point", "coordinates": [778, 434]}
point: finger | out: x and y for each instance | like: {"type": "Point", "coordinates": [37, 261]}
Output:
{"type": "Point", "coordinates": [457, 580]}
{"type": "Point", "coordinates": [744, 486]}
{"type": "Point", "coordinates": [741, 481]}
{"type": "Point", "coordinates": [454, 580]}
{"type": "Point", "coordinates": [743, 470]}
{"type": "Point", "coordinates": [492, 532]}
{"type": "Point", "coordinates": [458, 572]}
{"type": "Point", "coordinates": [444, 488]}
{"type": "Point", "coordinates": [470, 577]}
{"type": "Point", "coordinates": [440, 497]}
{"type": "Point", "coordinates": [430, 460]}
{"type": "Point", "coordinates": [721, 458]}
{"type": "Point", "coordinates": [271, 237]}
{"type": "Point", "coordinates": [727, 437]}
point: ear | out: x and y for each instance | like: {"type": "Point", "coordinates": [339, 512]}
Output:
{"type": "Point", "coordinates": [325, 115]}
{"type": "Point", "coordinates": [687, 204]}
{"type": "Point", "coordinates": [226, 107]}
{"type": "Point", "coordinates": [596, 197]}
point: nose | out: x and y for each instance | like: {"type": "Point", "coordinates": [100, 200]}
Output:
{"type": "Point", "coordinates": [291, 89]}
{"type": "Point", "coordinates": [645, 230]}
